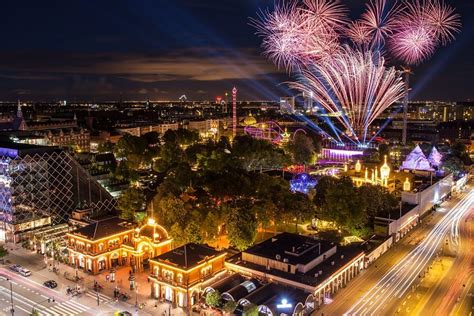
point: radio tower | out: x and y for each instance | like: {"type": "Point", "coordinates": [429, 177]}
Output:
{"type": "Point", "coordinates": [234, 112]}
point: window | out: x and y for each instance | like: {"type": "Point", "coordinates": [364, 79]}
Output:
{"type": "Point", "coordinates": [206, 271]}
{"type": "Point", "coordinates": [179, 278]}
{"type": "Point", "coordinates": [168, 275]}
{"type": "Point", "coordinates": [101, 247]}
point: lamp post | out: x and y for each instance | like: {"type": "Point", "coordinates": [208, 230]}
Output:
{"type": "Point", "coordinates": [136, 295]}
{"type": "Point", "coordinates": [12, 309]}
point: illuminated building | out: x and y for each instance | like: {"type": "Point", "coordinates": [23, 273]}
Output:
{"type": "Point", "coordinates": [287, 105]}
{"type": "Point", "coordinates": [250, 120]}
{"type": "Point", "coordinates": [112, 242]}
{"type": "Point", "coordinates": [318, 267]}
{"type": "Point", "coordinates": [178, 275]}
{"type": "Point", "coordinates": [47, 132]}
{"type": "Point", "coordinates": [41, 186]}
{"type": "Point", "coordinates": [435, 157]}
{"type": "Point", "coordinates": [416, 160]}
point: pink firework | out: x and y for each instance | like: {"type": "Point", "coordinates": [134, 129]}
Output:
{"type": "Point", "coordinates": [359, 34]}
{"type": "Point", "coordinates": [283, 35]}
{"type": "Point", "coordinates": [413, 39]}
{"type": "Point", "coordinates": [413, 44]}
{"type": "Point", "coordinates": [292, 38]}
{"type": "Point", "coordinates": [355, 86]}
{"type": "Point", "coordinates": [328, 14]}
{"type": "Point", "coordinates": [378, 20]}
{"type": "Point", "coordinates": [443, 20]}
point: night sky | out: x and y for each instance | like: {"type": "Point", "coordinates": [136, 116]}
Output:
{"type": "Point", "coordinates": [159, 50]}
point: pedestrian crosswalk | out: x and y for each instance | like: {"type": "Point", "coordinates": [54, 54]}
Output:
{"type": "Point", "coordinates": [103, 299]}
{"type": "Point", "coordinates": [66, 308]}
{"type": "Point", "coordinates": [27, 304]}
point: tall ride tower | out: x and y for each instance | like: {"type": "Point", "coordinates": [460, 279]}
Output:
{"type": "Point", "coordinates": [407, 72]}
{"type": "Point", "coordinates": [234, 112]}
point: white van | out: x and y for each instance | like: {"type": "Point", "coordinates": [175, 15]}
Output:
{"type": "Point", "coordinates": [24, 272]}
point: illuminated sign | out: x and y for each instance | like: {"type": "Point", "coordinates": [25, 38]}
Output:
{"type": "Point", "coordinates": [284, 304]}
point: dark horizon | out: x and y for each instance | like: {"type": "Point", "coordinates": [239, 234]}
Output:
{"type": "Point", "coordinates": [158, 50]}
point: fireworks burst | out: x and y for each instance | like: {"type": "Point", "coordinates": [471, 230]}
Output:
{"type": "Point", "coordinates": [291, 39]}
{"type": "Point", "coordinates": [331, 15]}
{"type": "Point", "coordinates": [359, 34]}
{"type": "Point", "coordinates": [378, 21]}
{"type": "Point", "coordinates": [354, 86]}
{"type": "Point", "coordinates": [444, 21]}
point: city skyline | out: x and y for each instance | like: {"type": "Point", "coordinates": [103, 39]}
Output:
{"type": "Point", "coordinates": [155, 51]}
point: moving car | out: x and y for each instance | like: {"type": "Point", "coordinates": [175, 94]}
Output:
{"type": "Point", "coordinates": [50, 284]}
{"type": "Point", "coordinates": [24, 272]}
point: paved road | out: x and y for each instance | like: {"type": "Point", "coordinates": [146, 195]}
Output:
{"type": "Point", "coordinates": [27, 295]}
{"type": "Point", "coordinates": [361, 285]}
{"type": "Point", "coordinates": [449, 289]}
{"type": "Point", "coordinates": [385, 295]}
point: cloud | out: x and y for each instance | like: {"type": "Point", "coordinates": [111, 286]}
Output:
{"type": "Point", "coordinates": [192, 64]}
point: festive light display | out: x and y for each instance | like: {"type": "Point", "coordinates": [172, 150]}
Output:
{"type": "Point", "coordinates": [416, 160]}
{"type": "Point", "coordinates": [435, 157]}
{"type": "Point", "coordinates": [355, 84]}
{"type": "Point", "coordinates": [340, 63]}
{"type": "Point", "coordinates": [270, 131]}
{"type": "Point", "coordinates": [303, 183]}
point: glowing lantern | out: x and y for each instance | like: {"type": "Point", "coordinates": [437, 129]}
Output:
{"type": "Point", "coordinates": [385, 170]}
{"type": "Point", "coordinates": [406, 185]}
{"type": "Point", "coordinates": [358, 166]}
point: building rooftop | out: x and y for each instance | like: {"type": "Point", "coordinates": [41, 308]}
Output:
{"type": "Point", "coordinates": [316, 275]}
{"type": "Point", "coordinates": [188, 256]}
{"type": "Point", "coordinates": [297, 249]}
{"type": "Point", "coordinates": [103, 228]}
{"type": "Point", "coordinates": [12, 150]}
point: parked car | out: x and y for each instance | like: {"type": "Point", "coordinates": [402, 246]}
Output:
{"type": "Point", "coordinates": [24, 272]}
{"type": "Point", "coordinates": [15, 267]}
{"type": "Point", "coordinates": [50, 284]}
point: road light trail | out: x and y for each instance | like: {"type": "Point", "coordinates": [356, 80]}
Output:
{"type": "Point", "coordinates": [398, 280]}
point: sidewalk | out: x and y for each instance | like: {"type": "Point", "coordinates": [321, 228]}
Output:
{"type": "Point", "coordinates": [35, 262]}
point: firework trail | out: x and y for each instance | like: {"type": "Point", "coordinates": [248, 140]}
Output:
{"type": "Point", "coordinates": [355, 87]}
{"type": "Point", "coordinates": [353, 83]}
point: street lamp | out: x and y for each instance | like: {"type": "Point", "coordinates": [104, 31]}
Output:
{"type": "Point", "coordinates": [12, 310]}
{"type": "Point", "coordinates": [136, 295]}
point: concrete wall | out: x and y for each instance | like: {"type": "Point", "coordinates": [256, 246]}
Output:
{"type": "Point", "coordinates": [410, 218]}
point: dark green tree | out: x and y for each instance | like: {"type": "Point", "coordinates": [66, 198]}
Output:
{"type": "Point", "coordinates": [301, 149]}
{"type": "Point", "coordinates": [3, 251]}
{"type": "Point", "coordinates": [213, 299]}
{"type": "Point", "coordinates": [129, 202]}
{"type": "Point", "coordinates": [132, 149]}
{"type": "Point", "coordinates": [105, 147]}
{"type": "Point", "coordinates": [241, 228]}
{"type": "Point", "coordinates": [229, 307]}
{"type": "Point", "coordinates": [384, 150]}
{"type": "Point", "coordinates": [151, 138]}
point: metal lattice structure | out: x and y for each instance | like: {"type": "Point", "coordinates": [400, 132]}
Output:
{"type": "Point", "coordinates": [43, 188]}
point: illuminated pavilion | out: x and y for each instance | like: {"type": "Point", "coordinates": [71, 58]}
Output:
{"type": "Point", "coordinates": [111, 242]}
